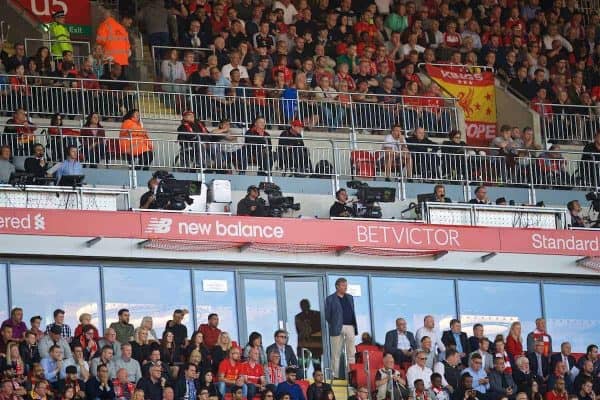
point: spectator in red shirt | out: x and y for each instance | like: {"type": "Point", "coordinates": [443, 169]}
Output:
{"type": "Point", "coordinates": [189, 64]}
{"type": "Point", "coordinates": [210, 331]}
{"type": "Point", "coordinates": [230, 373]}
{"type": "Point", "coordinates": [218, 20]}
{"type": "Point", "coordinates": [253, 373]}
{"type": "Point", "coordinates": [514, 341]}
{"type": "Point", "coordinates": [451, 37]}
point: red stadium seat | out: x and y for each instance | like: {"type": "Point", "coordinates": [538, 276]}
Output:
{"type": "Point", "coordinates": [363, 163]}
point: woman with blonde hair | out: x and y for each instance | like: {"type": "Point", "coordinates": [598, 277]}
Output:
{"type": "Point", "coordinates": [147, 324]}
{"type": "Point", "coordinates": [85, 319]}
{"type": "Point", "coordinates": [140, 347]}
{"type": "Point", "coordinates": [221, 349]}
{"type": "Point", "coordinates": [514, 341]}
{"type": "Point", "coordinates": [138, 395]}
{"type": "Point", "coordinates": [13, 361]}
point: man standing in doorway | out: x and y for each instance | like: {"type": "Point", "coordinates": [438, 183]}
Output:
{"type": "Point", "coordinates": [341, 319]}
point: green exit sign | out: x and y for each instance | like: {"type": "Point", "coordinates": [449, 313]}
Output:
{"type": "Point", "coordinates": [80, 30]}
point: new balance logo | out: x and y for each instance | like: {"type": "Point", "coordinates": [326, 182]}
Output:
{"type": "Point", "coordinates": [159, 225]}
{"type": "Point", "coordinates": [39, 222]}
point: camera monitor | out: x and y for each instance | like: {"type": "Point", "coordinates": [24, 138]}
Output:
{"type": "Point", "coordinates": [71, 180]}
{"type": "Point", "coordinates": [376, 194]}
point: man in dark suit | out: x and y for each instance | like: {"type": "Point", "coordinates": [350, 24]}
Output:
{"type": "Point", "coordinates": [187, 386]}
{"type": "Point", "coordinates": [537, 362]}
{"type": "Point", "coordinates": [400, 343]}
{"type": "Point", "coordinates": [477, 335]}
{"type": "Point", "coordinates": [564, 356]}
{"type": "Point", "coordinates": [458, 339]}
{"type": "Point", "coordinates": [341, 321]}
{"type": "Point", "coordinates": [288, 357]}
{"type": "Point", "coordinates": [523, 375]}
{"type": "Point", "coordinates": [480, 198]}
{"type": "Point", "coordinates": [501, 383]}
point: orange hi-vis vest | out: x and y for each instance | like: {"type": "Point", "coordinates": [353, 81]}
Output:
{"type": "Point", "coordinates": [140, 141]}
{"type": "Point", "coordinates": [114, 38]}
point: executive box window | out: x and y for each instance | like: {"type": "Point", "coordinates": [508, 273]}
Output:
{"type": "Point", "coordinates": [40, 289]}
{"type": "Point", "coordinates": [3, 294]}
{"type": "Point", "coordinates": [358, 286]}
{"type": "Point", "coordinates": [497, 304]}
{"type": "Point", "coordinates": [570, 315]}
{"type": "Point", "coordinates": [147, 292]}
{"type": "Point", "coordinates": [411, 299]}
{"type": "Point", "coordinates": [215, 293]}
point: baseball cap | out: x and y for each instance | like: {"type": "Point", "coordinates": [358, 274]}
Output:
{"type": "Point", "coordinates": [252, 187]}
{"type": "Point", "coordinates": [296, 123]}
{"type": "Point", "coordinates": [58, 12]}
{"type": "Point", "coordinates": [187, 112]}
{"type": "Point", "coordinates": [56, 329]}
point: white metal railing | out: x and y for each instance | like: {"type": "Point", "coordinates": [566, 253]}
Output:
{"type": "Point", "coordinates": [569, 123]}
{"type": "Point", "coordinates": [319, 158]}
{"type": "Point", "coordinates": [241, 105]}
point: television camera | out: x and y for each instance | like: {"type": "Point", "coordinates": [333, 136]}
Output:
{"type": "Point", "coordinates": [174, 194]}
{"type": "Point", "coordinates": [276, 204]}
{"type": "Point", "coordinates": [594, 199]}
{"type": "Point", "coordinates": [369, 198]}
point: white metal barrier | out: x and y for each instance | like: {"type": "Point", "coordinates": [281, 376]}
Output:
{"type": "Point", "coordinates": [575, 124]}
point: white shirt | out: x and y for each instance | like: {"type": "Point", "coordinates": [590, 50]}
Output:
{"type": "Point", "coordinates": [172, 71]}
{"type": "Point", "coordinates": [436, 340]}
{"type": "Point", "coordinates": [226, 71]}
{"type": "Point", "coordinates": [549, 39]}
{"type": "Point", "coordinates": [389, 143]}
{"type": "Point", "coordinates": [440, 369]}
{"type": "Point", "coordinates": [415, 372]}
{"type": "Point", "coordinates": [289, 12]}
{"type": "Point", "coordinates": [407, 48]}
{"type": "Point", "coordinates": [403, 342]}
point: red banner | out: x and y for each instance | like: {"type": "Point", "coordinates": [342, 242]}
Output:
{"type": "Point", "coordinates": [77, 12]}
{"type": "Point", "coordinates": [393, 235]}
{"type": "Point", "coordinates": [476, 94]}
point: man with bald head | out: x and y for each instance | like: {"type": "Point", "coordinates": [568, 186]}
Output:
{"type": "Point", "coordinates": [400, 343]}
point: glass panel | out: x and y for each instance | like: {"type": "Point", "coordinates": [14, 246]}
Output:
{"type": "Point", "coordinates": [215, 293]}
{"type": "Point", "coordinates": [306, 325]}
{"type": "Point", "coordinates": [262, 316]}
{"type": "Point", "coordinates": [40, 289]}
{"type": "Point", "coordinates": [568, 315]}
{"type": "Point", "coordinates": [147, 292]}
{"type": "Point", "coordinates": [359, 288]}
{"type": "Point", "coordinates": [3, 294]}
{"type": "Point", "coordinates": [412, 299]}
{"type": "Point", "coordinates": [497, 304]}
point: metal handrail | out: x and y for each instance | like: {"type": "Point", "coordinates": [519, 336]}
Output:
{"type": "Point", "coordinates": [305, 352]}
{"type": "Point", "coordinates": [367, 367]}
{"type": "Point", "coordinates": [50, 41]}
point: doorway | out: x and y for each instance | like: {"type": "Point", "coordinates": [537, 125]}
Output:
{"type": "Point", "coordinates": [292, 303]}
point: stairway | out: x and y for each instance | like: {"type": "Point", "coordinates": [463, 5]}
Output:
{"type": "Point", "coordinates": [341, 389]}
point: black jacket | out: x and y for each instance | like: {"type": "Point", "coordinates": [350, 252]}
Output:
{"type": "Point", "coordinates": [448, 337]}
{"type": "Point", "coordinates": [290, 356]}
{"type": "Point", "coordinates": [555, 358]}
{"type": "Point", "coordinates": [244, 207]}
{"type": "Point", "coordinates": [180, 388]}
{"type": "Point", "coordinates": [533, 364]}
{"type": "Point", "coordinates": [152, 391]}
{"type": "Point", "coordinates": [30, 354]}
{"type": "Point", "coordinates": [341, 210]}
{"type": "Point", "coordinates": [315, 392]}
{"type": "Point", "coordinates": [32, 166]}
{"type": "Point", "coordinates": [93, 391]}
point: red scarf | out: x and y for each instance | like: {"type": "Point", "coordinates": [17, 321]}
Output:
{"type": "Point", "coordinates": [540, 336]}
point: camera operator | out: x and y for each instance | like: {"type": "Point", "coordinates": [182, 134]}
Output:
{"type": "Point", "coordinates": [148, 199]}
{"type": "Point", "coordinates": [339, 208]}
{"type": "Point", "coordinates": [252, 205]}
{"type": "Point", "coordinates": [575, 210]}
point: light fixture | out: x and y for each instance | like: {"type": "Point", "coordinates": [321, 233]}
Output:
{"type": "Point", "coordinates": [488, 256]}
{"type": "Point", "coordinates": [143, 243]}
{"type": "Point", "coordinates": [91, 242]}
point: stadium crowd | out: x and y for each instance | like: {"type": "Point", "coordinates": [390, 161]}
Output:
{"type": "Point", "coordinates": [127, 362]}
